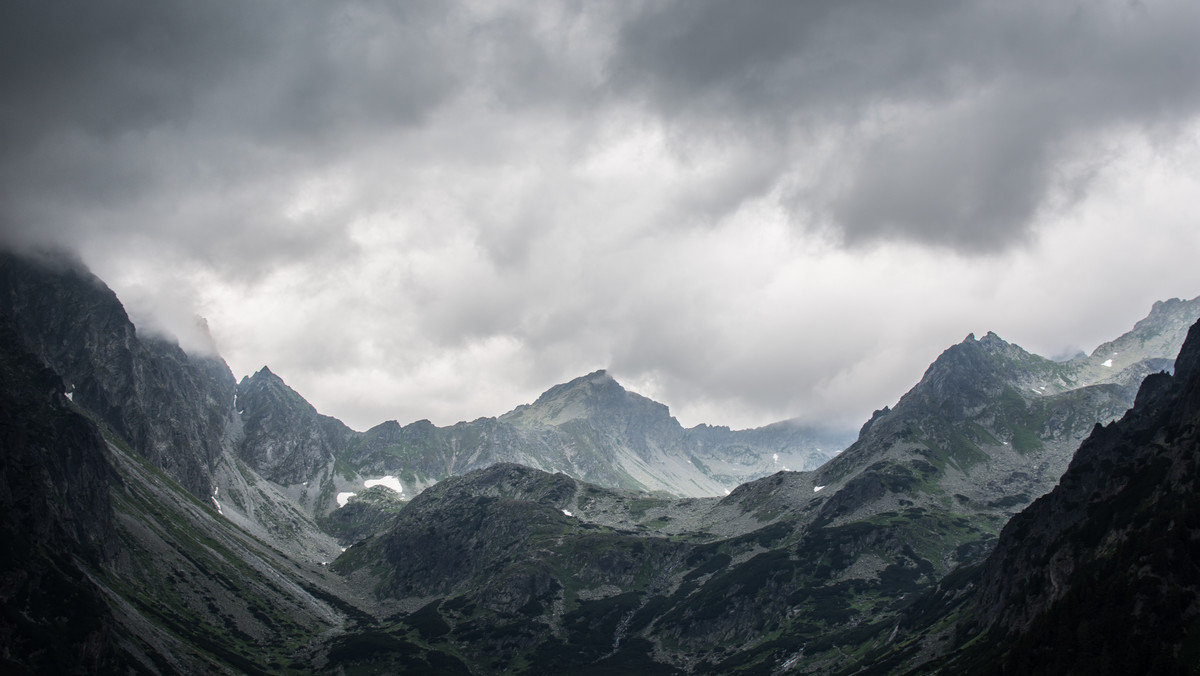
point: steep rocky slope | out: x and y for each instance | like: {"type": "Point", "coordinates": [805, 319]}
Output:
{"type": "Point", "coordinates": [111, 566]}
{"type": "Point", "coordinates": [56, 522]}
{"type": "Point", "coordinates": [1098, 576]}
{"type": "Point", "coordinates": [993, 423]}
{"type": "Point", "coordinates": [175, 409]}
{"type": "Point", "coordinates": [284, 438]}
{"type": "Point", "coordinates": [1103, 574]}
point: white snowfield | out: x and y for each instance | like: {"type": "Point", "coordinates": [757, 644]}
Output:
{"type": "Point", "coordinates": [567, 513]}
{"type": "Point", "coordinates": [387, 481]}
{"type": "Point", "coordinates": [817, 488]}
{"type": "Point", "coordinates": [1107, 362]}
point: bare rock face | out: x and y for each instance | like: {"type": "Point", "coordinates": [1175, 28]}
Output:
{"type": "Point", "coordinates": [55, 521]}
{"type": "Point", "coordinates": [174, 408]}
{"type": "Point", "coordinates": [1108, 558]}
{"type": "Point", "coordinates": [284, 438]}
{"type": "Point", "coordinates": [994, 426]}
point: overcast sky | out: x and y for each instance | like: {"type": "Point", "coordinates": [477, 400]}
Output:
{"type": "Point", "coordinates": [749, 211]}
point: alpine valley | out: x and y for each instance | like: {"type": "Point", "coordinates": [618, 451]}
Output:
{"type": "Point", "coordinates": [1009, 514]}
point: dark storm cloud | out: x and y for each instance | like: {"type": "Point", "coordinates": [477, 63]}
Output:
{"type": "Point", "coordinates": [952, 122]}
{"type": "Point", "coordinates": [187, 122]}
{"type": "Point", "coordinates": [279, 69]}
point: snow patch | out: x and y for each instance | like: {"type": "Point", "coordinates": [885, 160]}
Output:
{"type": "Point", "coordinates": [775, 457]}
{"type": "Point", "coordinates": [1036, 390]}
{"type": "Point", "coordinates": [70, 396]}
{"type": "Point", "coordinates": [1107, 362]}
{"type": "Point", "coordinates": [217, 489]}
{"type": "Point", "coordinates": [387, 482]}
{"type": "Point", "coordinates": [567, 513]}
{"type": "Point", "coordinates": [817, 488]}
{"type": "Point", "coordinates": [343, 498]}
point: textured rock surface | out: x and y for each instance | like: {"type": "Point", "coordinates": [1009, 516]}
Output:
{"type": "Point", "coordinates": [995, 424]}
{"type": "Point", "coordinates": [593, 429]}
{"type": "Point", "coordinates": [175, 409]}
{"type": "Point", "coordinates": [1102, 574]}
{"type": "Point", "coordinates": [55, 522]}
{"type": "Point", "coordinates": [284, 438]}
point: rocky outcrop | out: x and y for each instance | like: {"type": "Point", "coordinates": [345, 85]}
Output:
{"type": "Point", "coordinates": [1100, 575]}
{"type": "Point", "coordinates": [284, 438]}
{"type": "Point", "coordinates": [996, 425]}
{"type": "Point", "coordinates": [174, 408]}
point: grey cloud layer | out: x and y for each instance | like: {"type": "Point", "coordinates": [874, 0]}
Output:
{"type": "Point", "coordinates": [952, 121]}
{"type": "Point", "coordinates": [957, 118]}
{"type": "Point", "coordinates": [449, 186]}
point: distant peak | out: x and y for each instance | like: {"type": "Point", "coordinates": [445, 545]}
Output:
{"type": "Point", "coordinates": [597, 377]}
{"type": "Point", "coordinates": [594, 378]}
{"type": "Point", "coordinates": [1168, 304]}
{"type": "Point", "coordinates": [1172, 309]}
{"type": "Point", "coordinates": [263, 376]}
{"type": "Point", "coordinates": [989, 337]}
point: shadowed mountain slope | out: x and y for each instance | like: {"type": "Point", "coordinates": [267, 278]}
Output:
{"type": "Point", "coordinates": [1103, 574]}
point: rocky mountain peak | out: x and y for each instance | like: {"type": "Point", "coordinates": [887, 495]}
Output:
{"type": "Point", "coordinates": [595, 396]}
{"type": "Point", "coordinates": [597, 384]}
{"type": "Point", "coordinates": [965, 373]}
{"type": "Point", "coordinates": [1161, 331]}
{"type": "Point", "coordinates": [1187, 364]}
{"type": "Point", "coordinates": [1110, 551]}
{"type": "Point", "coordinates": [285, 438]}
{"type": "Point", "coordinates": [264, 390]}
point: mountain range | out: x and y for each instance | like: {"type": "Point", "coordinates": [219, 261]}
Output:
{"type": "Point", "coordinates": [165, 518]}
